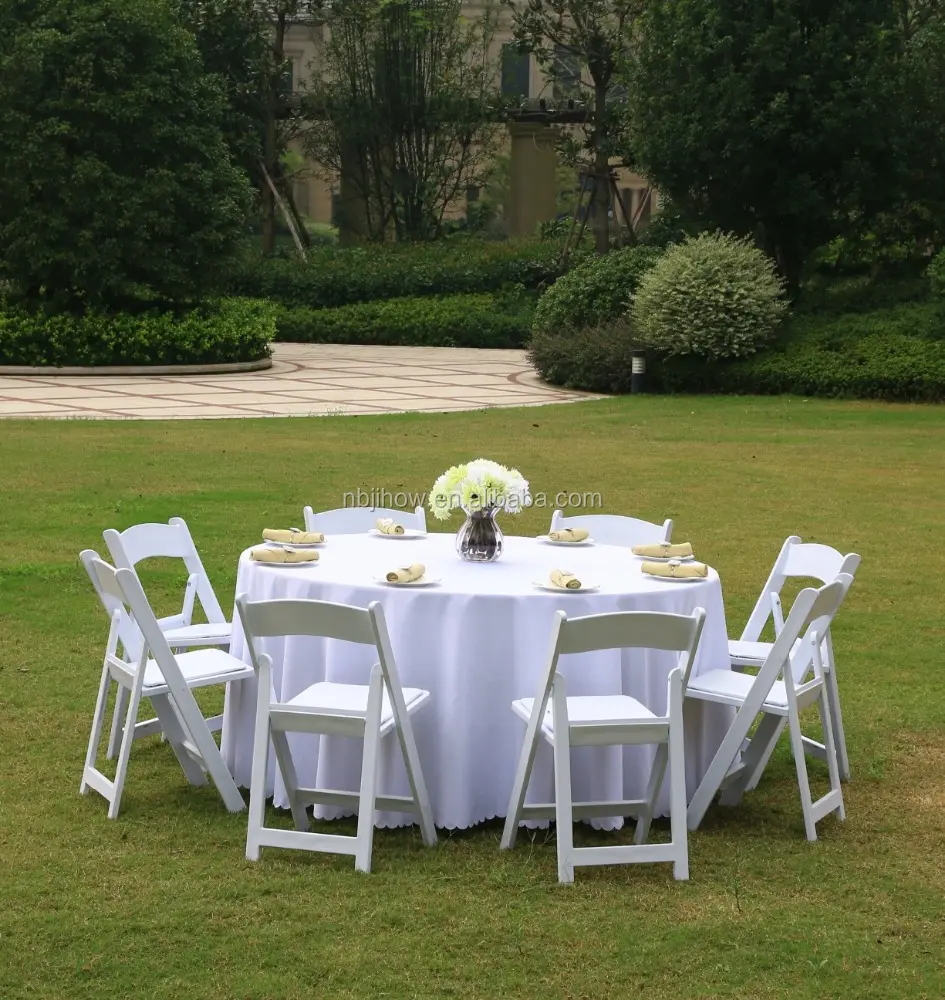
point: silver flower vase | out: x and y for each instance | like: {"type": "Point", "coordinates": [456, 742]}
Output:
{"type": "Point", "coordinates": [480, 538]}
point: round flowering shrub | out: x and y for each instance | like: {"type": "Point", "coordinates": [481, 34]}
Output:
{"type": "Point", "coordinates": [715, 296]}
{"type": "Point", "coordinates": [597, 291]}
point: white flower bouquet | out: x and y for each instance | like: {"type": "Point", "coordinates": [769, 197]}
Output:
{"type": "Point", "coordinates": [477, 486]}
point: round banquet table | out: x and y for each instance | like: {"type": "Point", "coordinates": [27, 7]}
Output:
{"type": "Point", "coordinates": [477, 640]}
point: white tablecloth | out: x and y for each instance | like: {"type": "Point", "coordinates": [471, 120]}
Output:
{"type": "Point", "coordinates": [476, 641]}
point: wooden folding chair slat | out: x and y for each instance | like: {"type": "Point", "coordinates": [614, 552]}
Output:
{"type": "Point", "coordinates": [625, 725]}
{"type": "Point", "coordinates": [316, 710]}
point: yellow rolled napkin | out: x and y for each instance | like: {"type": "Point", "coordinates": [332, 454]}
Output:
{"type": "Point", "coordinates": [292, 537]}
{"type": "Point", "coordinates": [564, 579]}
{"type": "Point", "coordinates": [262, 554]}
{"type": "Point", "coordinates": [686, 569]}
{"type": "Point", "coordinates": [406, 574]}
{"type": "Point", "coordinates": [663, 550]}
{"type": "Point", "coordinates": [388, 526]}
{"type": "Point", "coordinates": [568, 535]}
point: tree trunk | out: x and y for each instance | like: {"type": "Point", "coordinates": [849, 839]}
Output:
{"type": "Point", "coordinates": [600, 206]}
{"type": "Point", "coordinates": [270, 140]}
{"type": "Point", "coordinates": [789, 263]}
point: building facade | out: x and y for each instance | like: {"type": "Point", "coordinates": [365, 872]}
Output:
{"type": "Point", "coordinates": [538, 190]}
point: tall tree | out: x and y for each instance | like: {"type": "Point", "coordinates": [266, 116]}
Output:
{"type": "Point", "coordinates": [114, 173]}
{"type": "Point", "coordinates": [405, 109]}
{"type": "Point", "coordinates": [233, 39]}
{"type": "Point", "coordinates": [243, 44]}
{"type": "Point", "coordinates": [581, 45]}
{"type": "Point", "coordinates": [916, 208]}
{"type": "Point", "coordinates": [774, 120]}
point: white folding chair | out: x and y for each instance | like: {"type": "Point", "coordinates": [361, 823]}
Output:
{"type": "Point", "coordinates": [355, 520]}
{"type": "Point", "coordinates": [806, 561]}
{"type": "Point", "coordinates": [609, 720]}
{"type": "Point", "coordinates": [615, 529]}
{"type": "Point", "coordinates": [790, 679]}
{"type": "Point", "coordinates": [172, 541]}
{"type": "Point", "coordinates": [370, 712]}
{"type": "Point", "coordinates": [148, 669]}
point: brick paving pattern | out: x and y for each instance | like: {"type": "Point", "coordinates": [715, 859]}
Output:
{"type": "Point", "coordinates": [305, 380]}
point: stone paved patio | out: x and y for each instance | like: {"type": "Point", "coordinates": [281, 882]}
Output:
{"type": "Point", "coordinates": [305, 380]}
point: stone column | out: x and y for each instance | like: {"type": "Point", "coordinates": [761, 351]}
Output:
{"type": "Point", "coordinates": [533, 186]}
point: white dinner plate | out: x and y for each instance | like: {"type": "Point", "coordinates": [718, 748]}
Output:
{"type": "Point", "coordinates": [583, 589]}
{"type": "Point", "coordinates": [424, 581]}
{"type": "Point", "coordinates": [665, 559]}
{"type": "Point", "coordinates": [408, 533]}
{"type": "Point", "coordinates": [677, 579]}
{"type": "Point", "coordinates": [551, 541]}
{"type": "Point", "coordinates": [291, 546]}
{"type": "Point", "coordinates": [285, 565]}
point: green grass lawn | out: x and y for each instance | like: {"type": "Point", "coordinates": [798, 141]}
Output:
{"type": "Point", "coordinates": [161, 903]}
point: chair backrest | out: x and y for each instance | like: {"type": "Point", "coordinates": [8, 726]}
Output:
{"type": "Point", "coordinates": [285, 617]}
{"type": "Point", "coordinates": [123, 598]}
{"type": "Point", "coordinates": [615, 529]}
{"type": "Point", "coordinates": [801, 560]}
{"type": "Point", "coordinates": [172, 541]}
{"type": "Point", "coordinates": [811, 615]}
{"type": "Point", "coordinates": [624, 630]}
{"type": "Point", "coordinates": [113, 602]}
{"type": "Point", "coordinates": [357, 520]}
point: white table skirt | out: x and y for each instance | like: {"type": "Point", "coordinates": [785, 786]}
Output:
{"type": "Point", "coordinates": [477, 641]}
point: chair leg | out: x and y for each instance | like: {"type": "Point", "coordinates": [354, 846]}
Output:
{"type": "Point", "coordinates": [800, 762]}
{"type": "Point", "coordinates": [98, 724]}
{"type": "Point", "coordinates": [124, 754]}
{"type": "Point", "coordinates": [176, 736]}
{"type": "Point", "coordinates": [677, 780]}
{"type": "Point", "coordinates": [751, 782]}
{"type": "Point", "coordinates": [369, 766]}
{"type": "Point", "coordinates": [114, 737]}
{"type": "Point", "coordinates": [564, 815]}
{"type": "Point", "coordinates": [755, 758]}
{"type": "Point", "coordinates": [260, 770]}
{"type": "Point", "coordinates": [833, 765]}
{"type": "Point", "coordinates": [280, 744]}
{"type": "Point", "coordinates": [839, 736]}
{"type": "Point", "coordinates": [652, 793]}
{"type": "Point", "coordinates": [523, 772]}
{"type": "Point", "coordinates": [418, 785]}
{"type": "Point", "coordinates": [202, 739]}
{"type": "Point", "coordinates": [728, 750]}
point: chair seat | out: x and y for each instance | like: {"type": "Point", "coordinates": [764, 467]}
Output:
{"type": "Point", "coordinates": [589, 709]}
{"type": "Point", "coordinates": [350, 699]}
{"type": "Point", "coordinates": [731, 687]}
{"type": "Point", "coordinates": [205, 634]}
{"type": "Point", "coordinates": [200, 667]}
{"type": "Point", "coordinates": [750, 654]}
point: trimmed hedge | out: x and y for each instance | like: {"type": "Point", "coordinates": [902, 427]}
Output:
{"type": "Point", "coordinates": [338, 277]}
{"type": "Point", "coordinates": [596, 291]}
{"type": "Point", "coordinates": [595, 360]}
{"type": "Point", "coordinates": [891, 354]}
{"type": "Point", "coordinates": [428, 321]}
{"type": "Point", "coordinates": [230, 330]}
